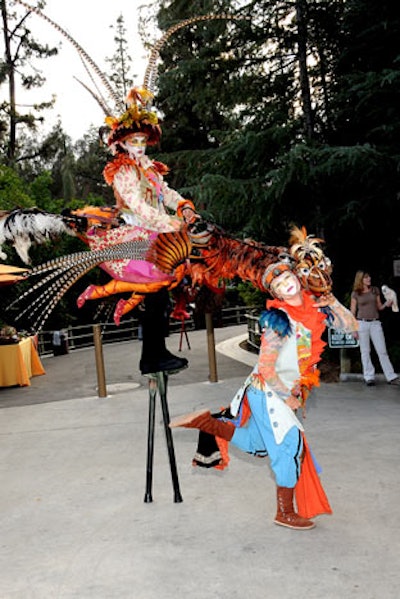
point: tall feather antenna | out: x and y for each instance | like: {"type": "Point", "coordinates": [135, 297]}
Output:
{"type": "Point", "coordinates": [79, 49]}
{"type": "Point", "coordinates": [151, 70]}
{"type": "Point", "coordinates": [97, 98]}
{"type": "Point", "coordinates": [97, 95]}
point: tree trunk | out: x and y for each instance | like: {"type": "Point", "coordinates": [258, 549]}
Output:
{"type": "Point", "coordinates": [11, 85]}
{"type": "Point", "coordinates": [324, 86]}
{"type": "Point", "coordinates": [301, 9]}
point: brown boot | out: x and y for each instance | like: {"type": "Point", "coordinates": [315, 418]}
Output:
{"type": "Point", "coordinates": [203, 421]}
{"type": "Point", "coordinates": [285, 515]}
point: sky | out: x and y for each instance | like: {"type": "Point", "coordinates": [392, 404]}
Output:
{"type": "Point", "coordinates": [88, 22]}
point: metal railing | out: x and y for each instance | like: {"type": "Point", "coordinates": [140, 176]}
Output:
{"type": "Point", "coordinates": [82, 336]}
{"type": "Point", "coordinates": [253, 329]}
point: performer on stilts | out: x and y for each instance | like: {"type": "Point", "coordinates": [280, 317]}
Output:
{"type": "Point", "coordinates": [143, 197]}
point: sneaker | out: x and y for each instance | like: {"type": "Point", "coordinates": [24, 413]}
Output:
{"type": "Point", "coordinates": [370, 383]}
{"type": "Point", "coordinates": [395, 381]}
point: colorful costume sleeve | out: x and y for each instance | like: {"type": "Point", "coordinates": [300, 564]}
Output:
{"type": "Point", "coordinates": [339, 317]}
{"type": "Point", "coordinates": [173, 199]}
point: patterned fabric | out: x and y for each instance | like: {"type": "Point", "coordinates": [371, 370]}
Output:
{"type": "Point", "coordinates": [140, 189]}
{"type": "Point", "coordinates": [314, 321]}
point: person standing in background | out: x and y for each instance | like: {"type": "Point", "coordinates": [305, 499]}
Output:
{"type": "Point", "coordinates": [365, 306]}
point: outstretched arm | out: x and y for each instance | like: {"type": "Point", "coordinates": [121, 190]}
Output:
{"type": "Point", "coordinates": [337, 315]}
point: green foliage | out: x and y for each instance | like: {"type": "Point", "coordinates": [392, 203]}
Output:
{"type": "Point", "coordinates": [40, 191]}
{"type": "Point", "coordinates": [18, 69]}
{"type": "Point", "coordinates": [235, 133]}
{"type": "Point", "coordinates": [250, 296]}
{"type": "Point", "coordinates": [90, 159]}
{"type": "Point", "coordinates": [13, 190]}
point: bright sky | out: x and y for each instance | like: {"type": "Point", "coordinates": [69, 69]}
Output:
{"type": "Point", "coordinates": [88, 22]}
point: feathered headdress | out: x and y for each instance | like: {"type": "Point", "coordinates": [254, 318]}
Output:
{"type": "Point", "coordinates": [304, 246]}
{"type": "Point", "coordinates": [136, 113]}
{"type": "Point", "coordinates": [135, 119]}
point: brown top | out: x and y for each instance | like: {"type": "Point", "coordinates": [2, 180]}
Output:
{"type": "Point", "coordinates": [366, 304]}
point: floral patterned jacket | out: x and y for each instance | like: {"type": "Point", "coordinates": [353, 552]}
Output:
{"type": "Point", "coordinates": [143, 195]}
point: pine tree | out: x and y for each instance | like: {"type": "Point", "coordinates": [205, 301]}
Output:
{"type": "Point", "coordinates": [120, 62]}
{"type": "Point", "coordinates": [19, 48]}
{"type": "Point", "coordinates": [268, 136]}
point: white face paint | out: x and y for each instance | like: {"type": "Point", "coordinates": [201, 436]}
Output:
{"type": "Point", "coordinates": [286, 286]}
{"type": "Point", "coordinates": [136, 145]}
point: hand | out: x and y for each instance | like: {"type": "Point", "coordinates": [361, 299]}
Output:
{"type": "Point", "coordinates": [189, 215]}
{"type": "Point", "coordinates": [293, 402]}
{"type": "Point", "coordinates": [176, 223]}
{"type": "Point", "coordinates": [327, 299]}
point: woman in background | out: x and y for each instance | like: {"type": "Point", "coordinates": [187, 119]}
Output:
{"type": "Point", "coordinates": [365, 306]}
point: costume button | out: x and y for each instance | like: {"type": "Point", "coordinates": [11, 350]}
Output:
{"type": "Point", "coordinates": [269, 394]}
{"type": "Point", "coordinates": [271, 410]}
{"type": "Point", "coordinates": [275, 424]}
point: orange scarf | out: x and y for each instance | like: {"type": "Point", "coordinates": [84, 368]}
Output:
{"type": "Point", "coordinates": [313, 320]}
{"type": "Point", "coordinates": [310, 317]}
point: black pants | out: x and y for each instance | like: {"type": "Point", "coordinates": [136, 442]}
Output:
{"type": "Point", "coordinates": [155, 326]}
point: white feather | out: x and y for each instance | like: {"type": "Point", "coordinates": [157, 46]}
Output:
{"type": "Point", "coordinates": [390, 296]}
{"type": "Point", "coordinates": [22, 228]}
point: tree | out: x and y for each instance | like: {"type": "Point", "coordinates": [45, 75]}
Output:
{"type": "Point", "coordinates": [120, 62]}
{"type": "Point", "coordinates": [12, 190]}
{"type": "Point", "coordinates": [91, 158]}
{"type": "Point", "coordinates": [270, 136]}
{"type": "Point", "coordinates": [19, 48]}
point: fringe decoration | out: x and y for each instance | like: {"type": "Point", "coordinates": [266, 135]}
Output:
{"type": "Point", "coordinates": [277, 320]}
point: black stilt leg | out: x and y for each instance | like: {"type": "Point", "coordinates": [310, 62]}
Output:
{"type": "Point", "coordinates": [183, 333]}
{"type": "Point", "coordinates": [159, 382]}
{"type": "Point", "coordinates": [162, 388]}
{"type": "Point", "coordinates": [148, 498]}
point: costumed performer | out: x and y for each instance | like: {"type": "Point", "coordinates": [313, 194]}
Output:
{"type": "Point", "coordinates": [145, 200]}
{"type": "Point", "coordinates": [262, 417]}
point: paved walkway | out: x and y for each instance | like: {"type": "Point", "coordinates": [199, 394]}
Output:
{"type": "Point", "coordinates": [74, 525]}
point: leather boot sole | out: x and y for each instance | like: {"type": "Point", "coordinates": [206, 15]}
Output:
{"type": "Point", "coordinates": [294, 527]}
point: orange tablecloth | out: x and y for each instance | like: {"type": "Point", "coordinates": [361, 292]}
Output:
{"type": "Point", "coordinates": [18, 363]}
